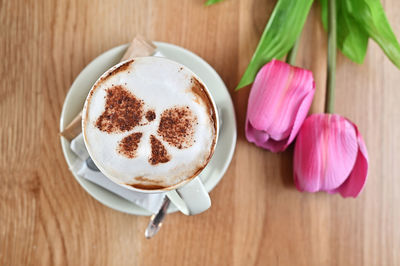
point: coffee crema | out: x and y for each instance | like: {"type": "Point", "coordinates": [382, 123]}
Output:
{"type": "Point", "coordinates": [149, 123]}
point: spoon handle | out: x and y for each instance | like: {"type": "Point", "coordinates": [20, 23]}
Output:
{"type": "Point", "coordinates": [156, 219]}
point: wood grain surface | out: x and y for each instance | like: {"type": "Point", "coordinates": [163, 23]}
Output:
{"type": "Point", "coordinates": [257, 216]}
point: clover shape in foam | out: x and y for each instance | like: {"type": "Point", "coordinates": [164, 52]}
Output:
{"type": "Point", "coordinates": [124, 112]}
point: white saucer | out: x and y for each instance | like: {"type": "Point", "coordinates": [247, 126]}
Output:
{"type": "Point", "coordinates": [222, 157]}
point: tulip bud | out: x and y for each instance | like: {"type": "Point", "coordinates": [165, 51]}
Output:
{"type": "Point", "coordinates": [330, 155]}
{"type": "Point", "coordinates": [278, 104]}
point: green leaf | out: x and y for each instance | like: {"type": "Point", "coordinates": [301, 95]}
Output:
{"type": "Point", "coordinates": [211, 2]}
{"type": "Point", "coordinates": [283, 28]}
{"type": "Point", "coordinates": [324, 13]}
{"type": "Point", "coordinates": [372, 19]}
{"type": "Point", "coordinates": [352, 40]}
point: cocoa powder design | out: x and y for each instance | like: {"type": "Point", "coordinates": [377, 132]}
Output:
{"type": "Point", "coordinates": [124, 112]}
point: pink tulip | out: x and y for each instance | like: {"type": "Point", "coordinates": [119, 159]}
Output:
{"type": "Point", "coordinates": [278, 104]}
{"type": "Point", "coordinates": [330, 155]}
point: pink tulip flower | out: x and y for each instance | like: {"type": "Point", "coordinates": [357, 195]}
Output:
{"type": "Point", "coordinates": [330, 155]}
{"type": "Point", "coordinates": [278, 104]}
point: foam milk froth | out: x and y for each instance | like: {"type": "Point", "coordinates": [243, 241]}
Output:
{"type": "Point", "coordinates": [149, 123]}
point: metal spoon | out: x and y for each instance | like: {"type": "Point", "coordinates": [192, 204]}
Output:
{"type": "Point", "coordinates": [90, 164]}
{"type": "Point", "coordinates": [156, 219]}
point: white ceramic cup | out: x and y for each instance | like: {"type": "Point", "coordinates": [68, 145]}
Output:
{"type": "Point", "coordinates": [189, 196]}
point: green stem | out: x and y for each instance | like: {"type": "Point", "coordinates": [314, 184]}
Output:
{"type": "Point", "coordinates": [291, 56]}
{"type": "Point", "coordinates": [330, 83]}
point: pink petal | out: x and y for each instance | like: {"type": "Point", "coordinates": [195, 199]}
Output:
{"type": "Point", "coordinates": [301, 115]}
{"type": "Point", "coordinates": [325, 153]}
{"type": "Point", "coordinates": [356, 181]}
{"type": "Point", "coordinates": [278, 104]}
{"type": "Point", "coordinates": [254, 135]}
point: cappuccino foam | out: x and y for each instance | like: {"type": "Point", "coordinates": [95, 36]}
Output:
{"type": "Point", "coordinates": [149, 123]}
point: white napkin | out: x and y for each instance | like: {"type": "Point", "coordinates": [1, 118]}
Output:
{"type": "Point", "coordinates": [151, 202]}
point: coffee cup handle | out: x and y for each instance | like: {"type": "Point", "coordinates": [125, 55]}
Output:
{"type": "Point", "coordinates": [192, 198]}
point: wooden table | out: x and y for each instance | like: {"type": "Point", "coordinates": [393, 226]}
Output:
{"type": "Point", "coordinates": [257, 217]}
